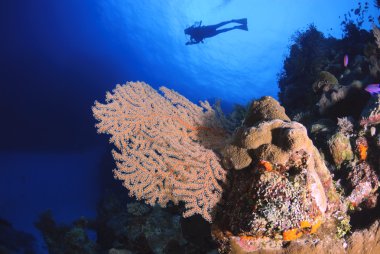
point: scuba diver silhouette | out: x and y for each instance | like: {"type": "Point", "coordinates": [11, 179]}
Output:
{"type": "Point", "coordinates": [198, 32]}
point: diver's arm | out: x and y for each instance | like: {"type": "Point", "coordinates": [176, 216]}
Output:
{"type": "Point", "coordinates": [192, 41]}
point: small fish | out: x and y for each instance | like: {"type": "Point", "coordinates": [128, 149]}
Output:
{"type": "Point", "coordinates": [345, 60]}
{"type": "Point", "coordinates": [373, 88]}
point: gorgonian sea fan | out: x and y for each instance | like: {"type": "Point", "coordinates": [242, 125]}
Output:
{"type": "Point", "coordinates": [164, 146]}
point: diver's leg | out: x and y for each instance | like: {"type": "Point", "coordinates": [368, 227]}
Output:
{"type": "Point", "coordinates": [240, 21]}
{"type": "Point", "coordinates": [216, 26]}
{"type": "Point", "coordinates": [210, 31]}
{"type": "Point", "coordinates": [224, 30]}
{"type": "Point", "coordinates": [242, 27]}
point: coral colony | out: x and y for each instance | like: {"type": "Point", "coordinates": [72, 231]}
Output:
{"type": "Point", "coordinates": [165, 146]}
{"type": "Point", "coordinates": [295, 177]}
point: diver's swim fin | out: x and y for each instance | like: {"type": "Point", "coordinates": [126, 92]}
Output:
{"type": "Point", "coordinates": [242, 27]}
{"type": "Point", "coordinates": [241, 21]}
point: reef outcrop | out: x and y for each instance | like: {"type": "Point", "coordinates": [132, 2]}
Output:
{"type": "Point", "coordinates": [315, 80]}
{"type": "Point", "coordinates": [324, 87]}
{"type": "Point", "coordinates": [280, 188]}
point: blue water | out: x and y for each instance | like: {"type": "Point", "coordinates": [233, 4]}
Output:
{"type": "Point", "coordinates": [58, 57]}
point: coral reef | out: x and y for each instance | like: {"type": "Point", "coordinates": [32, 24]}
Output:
{"type": "Point", "coordinates": [124, 226]}
{"type": "Point", "coordinates": [282, 192]}
{"type": "Point", "coordinates": [15, 241]}
{"type": "Point", "coordinates": [309, 53]}
{"type": "Point", "coordinates": [65, 239]}
{"type": "Point", "coordinates": [280, 196]}
{"type": "Point", "coordinates": [269, 187]}
{"type": "Point", "coordinates": [338, 110]}
{"type": "Point", "coordinates": [315, 81]}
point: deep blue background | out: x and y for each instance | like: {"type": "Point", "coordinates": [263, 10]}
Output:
{"type": "Point", "coordinates": [58, 57]}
